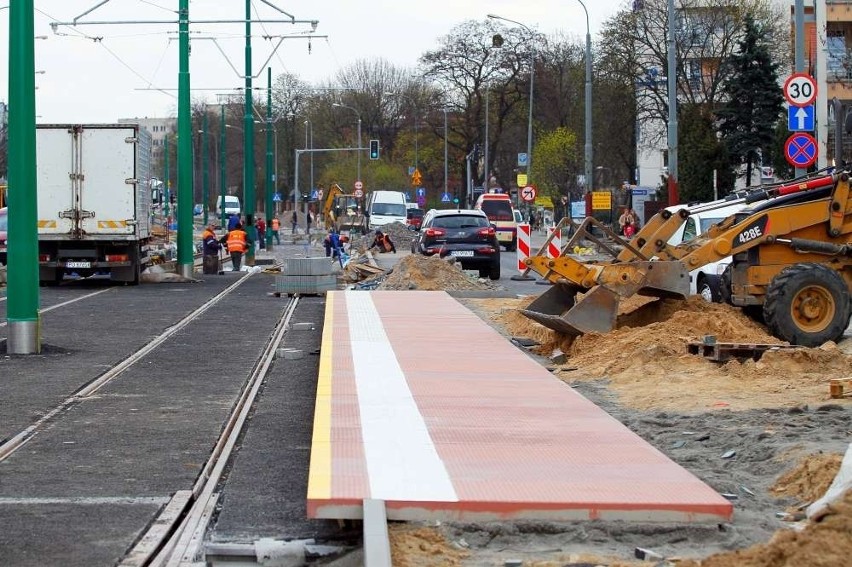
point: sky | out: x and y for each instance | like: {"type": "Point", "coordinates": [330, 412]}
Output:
{"type": "Point", "coordinates": [102, 72]}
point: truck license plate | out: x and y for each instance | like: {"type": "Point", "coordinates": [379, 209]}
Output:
{"type": "Point", "coordinates": [78, 264]}
{"type": "Point", "coordinates": [462, 253]}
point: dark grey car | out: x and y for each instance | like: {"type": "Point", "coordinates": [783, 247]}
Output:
{"type": "Point", "coordinates": [464, 234]}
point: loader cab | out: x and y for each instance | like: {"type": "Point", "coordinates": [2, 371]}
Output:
{"type": "Point", "coordinates": [706, 280]}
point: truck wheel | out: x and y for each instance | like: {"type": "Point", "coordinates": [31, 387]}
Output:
{"type": "Point", "coordinates": [725, 285]}
{"type": "Point", "coordinates": [512, 246]}
{"type": "Point", "coordinates": [706, 290]}
{"type": "Point", "coordinates": [807, 304]}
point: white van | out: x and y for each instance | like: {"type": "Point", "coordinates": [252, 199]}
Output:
{"type": "Point", "coordinates": [232, 205]}
{"type": "Point", "coordinates": [705, 280]}
{"type": "Point", "coordinates": [385, 207]}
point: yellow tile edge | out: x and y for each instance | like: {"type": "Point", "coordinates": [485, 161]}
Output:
{"type": "Point", "coordinates": [319, 476]}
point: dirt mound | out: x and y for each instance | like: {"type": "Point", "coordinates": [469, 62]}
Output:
{"type": "Point", "coordinates": [647, 363]}
{"type": "Point", "coordinates": [430, 273]}
{"type": "Point", "coordinates": [412, 546]}
{"type": "Point", "coordinates": [811, 477]}
{"type": "Point", "coordinates": [825, 544]}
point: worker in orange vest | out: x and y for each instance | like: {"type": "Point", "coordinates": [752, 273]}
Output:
{"type": "Point", "coordinates": [276, 226]}
{"type": "Point", "coordinates": [238, 243]}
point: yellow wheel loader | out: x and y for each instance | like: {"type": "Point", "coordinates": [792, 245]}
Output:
{"type": "Point", "coordinates": [792, 260]}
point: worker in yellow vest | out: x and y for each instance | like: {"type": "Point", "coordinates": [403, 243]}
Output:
{"type": "Point", "coordinates": [238, 243]}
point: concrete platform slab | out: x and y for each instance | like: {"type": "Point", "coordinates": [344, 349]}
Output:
{"type": "Point", "coordinates": [421, 404]}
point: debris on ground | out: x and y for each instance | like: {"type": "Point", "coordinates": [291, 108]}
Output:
{"type": "Point", "coordinates": [431, 273]}
{"type": "Point", "coordinates": [414, 546]}
{"type": "Point", "coordinates": [361, 266]}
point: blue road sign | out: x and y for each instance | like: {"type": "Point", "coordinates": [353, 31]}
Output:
{"type": "Point", "coordinates": [407, 196]}
{"type": "Point", "coordinates": [421, 191]}
{"type": "Point", "coordinates": [523, 160]}
{"type": "Point", "coordinates": [800, 150]}
{"type": "Point", "coordinates": [410, 170]}
{"type": "Point", "coordinates": [276, 198]}
{"type": "Point", "coordinates": [445, 198]}
{"type": "Point", "coordinates": [314, 195]}
{"type": "Point", "coordinates": [800, 118]}
{"type": "Point", "coordinates": [421, 200]}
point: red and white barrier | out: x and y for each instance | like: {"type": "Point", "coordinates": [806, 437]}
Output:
{"type": "Point", "coordinates": [523, 248]}
{"type": "Point", "coordinates": [554, 248]}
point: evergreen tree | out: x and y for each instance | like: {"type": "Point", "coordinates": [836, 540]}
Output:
{"type": "Point", "coordinates": [753, 99]}
{"type": "Point", "coordinates": [701, 154]}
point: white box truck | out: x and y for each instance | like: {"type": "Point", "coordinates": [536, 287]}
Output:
{"type": "Point", "coordinates": [231, 205]}
{"type": "Point", "coordinates": [94, 200]}
{"type": "Point", "coordinates": [385, 207]}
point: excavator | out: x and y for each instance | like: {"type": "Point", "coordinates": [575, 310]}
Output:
{"type": "Point", "coordinates": [791, 249]}
{"type": "Point", "coordinates": [342, 211]}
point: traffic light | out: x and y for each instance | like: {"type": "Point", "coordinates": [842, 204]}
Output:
{"type": "Point", "coordinates": [374, 149]}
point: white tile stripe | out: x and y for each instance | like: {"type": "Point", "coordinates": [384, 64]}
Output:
{"type": "Point", "coordinates": [402, 463]}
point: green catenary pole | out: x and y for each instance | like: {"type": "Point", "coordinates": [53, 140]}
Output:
{"type": "Point", "coordinates": [184, 197]}
{"type": "Point", "coordinates": [248, 146]}
{"type": "Point", "coordinates": [22, 251]}
{"type": "Point", "coordinates": [222, 166]}
{"type": "Point", "coordinates": [268, 204]}
{"type": "Point", "coordinates": [167, 186]}
{"type": "Point", "coordinates": [205, 174]}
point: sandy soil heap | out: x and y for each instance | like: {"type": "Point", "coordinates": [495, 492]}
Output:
{"type": "Point", "coordinates": [430, 273]}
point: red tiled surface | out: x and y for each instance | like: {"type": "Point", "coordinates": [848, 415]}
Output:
{"type": "Point", "coordinates": [516, 441]}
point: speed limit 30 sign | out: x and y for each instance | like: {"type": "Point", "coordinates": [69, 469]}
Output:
{"type": "Point", "coordinates": [800, 89]}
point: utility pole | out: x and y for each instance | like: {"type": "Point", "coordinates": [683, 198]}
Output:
{"type": "Point", "coordinates": [268, 201]}
{"type": "Point", "coordinates": [186, 253]}
{"type": "Point", "coordinates": [248, 147]}
{"type": "Point", "coordinates": [222, 164]}
{"type": "Point", "coordinates": [22, 310]}
{"type": "Point", "coordinates": [800, 53]}
{"type": "Point", "coordinates": [205, 173]}
{"type": "Point", "coordinates": [674, 199]}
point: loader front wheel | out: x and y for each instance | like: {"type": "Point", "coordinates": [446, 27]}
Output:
{"type": "Point", "coordinates": [807, 304]}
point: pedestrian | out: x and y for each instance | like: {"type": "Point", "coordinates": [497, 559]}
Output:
{"type": "Point", "coordinates": [276, 226]}
{"type": "Point", "coordinates": [383, 243]}
{"type": "Point", "coordinates": [210, 250]}
{"type": "Point", "coordinates": [332, 244]}
{"type": "Point", "coordinates": [261, 233]}
{"type": "Point", "coordinates": [308, 221]}
{"type": "Point", "coordinates": [238, 243]}
{"type": "Point", "coordinates": [295, 220]}
{"type": "Point", "coordinates": [233, 221]}
{"type": "Point", "coordinates": [625, 219]}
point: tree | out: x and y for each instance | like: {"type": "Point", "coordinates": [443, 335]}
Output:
{"type": "Point", "coordinates": [753, 101]}
{"type": "Point", "coordinates": [701, 154]}
{"type": "Point", "coordinates": [556, 159]}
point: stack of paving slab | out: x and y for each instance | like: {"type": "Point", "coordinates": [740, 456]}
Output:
{"type": "Point", "coordinates": [306, 275]}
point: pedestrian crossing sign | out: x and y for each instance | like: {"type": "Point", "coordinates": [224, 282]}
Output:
{"type": "Point", "coordinates": [314, 195]}
{"type": "Point", "coordinates": [445, 198]}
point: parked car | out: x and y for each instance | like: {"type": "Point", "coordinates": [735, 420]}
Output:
{"type": "Point", "coordinates": [4, 228]}
{"type": "Point", "coordinates": [414, 218]}
{"type": "Point", "coordinates": [705, 281]}
{"type": "Point", "coordinates": [466, 235]}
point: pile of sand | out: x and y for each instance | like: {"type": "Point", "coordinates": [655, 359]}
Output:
{"type": "Point", "coordinates": [413, 546]}
{"type": "Point", "coordinates": [826, 543]}
{"type": "Point", "coordinates": [647, 363]}
{"type": "Point", "coordinates": [810, 478]}
{"type": "Point", "coordinates": [430, 273]}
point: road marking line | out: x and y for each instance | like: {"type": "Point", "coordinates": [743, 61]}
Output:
{"type": "Point", "coordinates": [401, 459]}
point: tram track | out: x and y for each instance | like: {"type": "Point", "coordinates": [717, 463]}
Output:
{"type": "Point", "coordinates": [176, 537]}
{"type": "Point", "coordinates": [15, 442]}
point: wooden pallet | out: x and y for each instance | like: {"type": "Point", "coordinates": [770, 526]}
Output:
{"type": "Point", "coordinates": [722, 352]}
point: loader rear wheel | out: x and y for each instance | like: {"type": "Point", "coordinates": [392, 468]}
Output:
{"type": "Point", "coordinates": [807, 304]}
{"type": "Point", "coordinates": [725, 285]}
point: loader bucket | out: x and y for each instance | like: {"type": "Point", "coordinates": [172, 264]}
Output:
{"type": "Point", "coordinates": [556, 309]}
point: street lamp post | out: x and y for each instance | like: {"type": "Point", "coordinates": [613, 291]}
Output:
{"type": "Point", "coordinates": [309, 128]}
{"type": "Point", "coordinates": [445, 151]}
{"type": "Point", "coordinates": [358, 114]}
{"type": "Point", "coordinates": [532, 82]}
{"type": "Point", "coordinates": [587, 170]}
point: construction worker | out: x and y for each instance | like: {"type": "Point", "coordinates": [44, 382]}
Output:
{"type": "Point", "coordinates": [383, 243]}
{"type": "Point", "coordinates": [276, 226]}
{"type": "Point", "coordinates": [210, 249]}
{"type": "Point", "coordinates": [238, 243]}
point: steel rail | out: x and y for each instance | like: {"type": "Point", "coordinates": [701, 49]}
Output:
{"type": "Point", "coordinates": [177, 536]}
{"type": "Point", "coordinates": [13, 444]}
